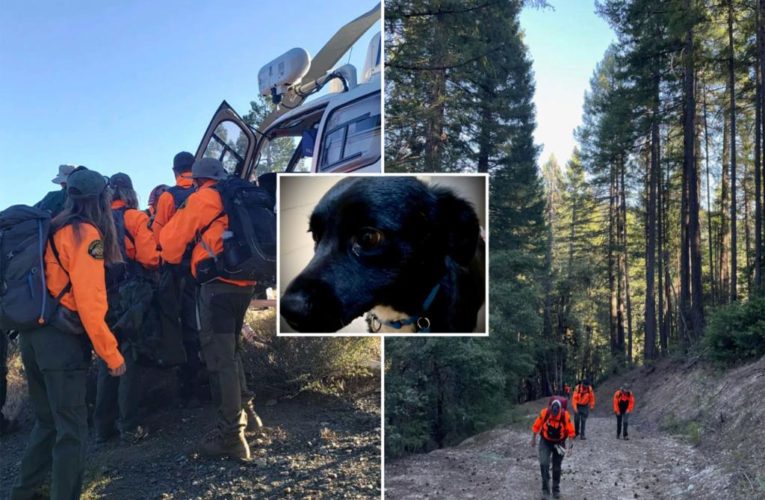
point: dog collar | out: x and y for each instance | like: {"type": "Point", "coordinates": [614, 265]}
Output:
{"type": "Point", "coordinates": [421, 321]}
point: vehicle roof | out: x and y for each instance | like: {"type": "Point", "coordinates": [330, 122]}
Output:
{"type": "Point", "coordinates": [338, 97]}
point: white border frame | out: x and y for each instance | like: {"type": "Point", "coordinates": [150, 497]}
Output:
{"type": "Point", "coordinates": [486, 230]}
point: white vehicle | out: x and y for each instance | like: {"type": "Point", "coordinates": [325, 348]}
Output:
{"type": "Point", "coordinates": [338, 132]}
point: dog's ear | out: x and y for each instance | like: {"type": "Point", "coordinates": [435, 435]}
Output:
{"type": "Point", "coordinates": [458, 222]}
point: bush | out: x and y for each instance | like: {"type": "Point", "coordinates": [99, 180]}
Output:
{"type": "Point", "coordinates": [737, 332]}
{"type": "Point", "coordinates": [294, 364]}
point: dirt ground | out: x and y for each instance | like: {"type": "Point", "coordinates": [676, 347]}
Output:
{"type": "Point", "coordinates": [501, 464]}
{"type": "Point", "coordinates": [697, 431]}
{"type": "Point", "coordinates": [314, 445]}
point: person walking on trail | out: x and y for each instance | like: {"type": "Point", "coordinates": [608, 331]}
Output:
{"type": "Point", "coordinates": [222, 304]}
{"type": "Point", "coordinates": [567, 390]}
{"type": "Point", "coordinates": [624, 402]}
{"type": "Point", "coordinates": [56, 359]}
{"type": "Point", "coordinates": [554, 427]}
{"type": "Point", "coordinates": [583, 402]}
{"type": "Point", "coordinates": [118, 399]}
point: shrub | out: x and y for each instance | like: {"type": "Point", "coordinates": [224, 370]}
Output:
{"type": "Point", "coordinates": [293, 364]}
{"type": "Point", "coordinates": [736, 332]}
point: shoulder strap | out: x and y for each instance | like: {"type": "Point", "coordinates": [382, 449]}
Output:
{"type": "Point", "coordinates": [68, 286]}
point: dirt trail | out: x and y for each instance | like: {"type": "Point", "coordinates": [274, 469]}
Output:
{"type": "Point", "coordinates": [314, 446]}
{"type": "Point", "coordinates": [501, 464]}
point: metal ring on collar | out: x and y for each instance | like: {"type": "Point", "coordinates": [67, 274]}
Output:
{"type": "Point", "coordinates": [423, 323]}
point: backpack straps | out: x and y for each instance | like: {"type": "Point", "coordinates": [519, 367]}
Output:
{"type": "Point", "coordinates": [68, 286]}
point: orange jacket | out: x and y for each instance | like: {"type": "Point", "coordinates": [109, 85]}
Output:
{"type": "Point", "coordinates": [83, 260]}
{"type": "Point", "coordinates": [144, 250]}
{"type": "Point", "coordinates": [166, 205]}
{"type": "Point", "coordinates": [624, 396]}
{"type": "Point", "coordinates": [583, 396]}
{"type": "Point", "coordinates": [567, 389]}
{"type": "Point", "coordinates": [544, 425]}
{"type": "Point", "coordinates": [202, 208]}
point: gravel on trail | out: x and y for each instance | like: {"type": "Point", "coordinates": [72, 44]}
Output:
{"type": "Point", "coordinates": [500, 464]}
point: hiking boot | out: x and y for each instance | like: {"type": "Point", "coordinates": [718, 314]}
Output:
{"type": "Point", "coordinates": [104, 436]}
{"type": "Point", "coordinates": [556, 493]}
{"type": "Point", "coordinates": [231, 445]}
{"type": "Point", "coordinates": [8, 425]}
{"type": "Point", "coordinates": [545, 489]}
{"type": "Point", "coordinates": [134, 436]}
{"type": "Point", "coordinates": [583, 438]}
{"type": "Point", "coordinates": [618, 436]}
{"type": "Point", "coordinates": [626, 438]}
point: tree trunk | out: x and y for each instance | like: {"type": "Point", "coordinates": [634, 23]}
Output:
{"type": "Point", "coordinates": [690, 144]}
{"type": "Point", "coordinates": [733, 208]}
{"type": "Point", "coordinates": [626, 270]}
{"type": "Point", "coordinates": [649, 351]}
{"type": "Point", "coordinates": [724, 257]}
{"type": "Point", "coordinates": [710, 237]}
{"type": "Point", "coordinates": [436, 95]}
{"type": "Point", "coordinates": [760, 60]}
{"type": "Point", "coordinates": [612, 266]}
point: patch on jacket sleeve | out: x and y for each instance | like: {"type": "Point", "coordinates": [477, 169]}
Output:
{"type": "Point", "coordinates": [96, 249]}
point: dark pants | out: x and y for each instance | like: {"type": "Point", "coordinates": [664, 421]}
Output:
{"type": "Point", "coordinates": [189, 372]}
{"type": "Point", "coordinates": [221, 312]}
{"type": "Point", "coordinates": [622, 421]}
{"type": "Point", "coordinates": [118, 397]}
{"type": "Point", "coordinates": [546, 451]}
{"type": "Point", "coordinates": [56, 365]}
{"type": "Point", "coordinates": [580, 419]}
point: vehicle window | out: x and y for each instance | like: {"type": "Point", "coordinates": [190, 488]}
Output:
{"type": "Point", "coordinates": [275, 156]}
{"type": "Point", "coordinates": [352, 135]}
{"type": "Point", "coordinates": [229, 145]}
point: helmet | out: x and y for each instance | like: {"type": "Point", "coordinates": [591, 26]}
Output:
{"type": "Point", "coordinates": [208, 168]}
{"type": "Point", "coordinates": [84, 183]}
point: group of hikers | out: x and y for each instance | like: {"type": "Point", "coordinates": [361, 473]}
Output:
{"type": "Point", "coordinates": [557, 432]}
{"type": "Point", "coordinates": [98, 238]}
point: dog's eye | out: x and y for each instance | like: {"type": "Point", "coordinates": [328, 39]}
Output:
{"type": "Point", "coordinates": [369, 238]}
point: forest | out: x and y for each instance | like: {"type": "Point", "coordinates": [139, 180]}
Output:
{"type": "Point", "coordinates": [645, 244]}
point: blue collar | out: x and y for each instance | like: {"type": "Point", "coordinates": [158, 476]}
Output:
{"type": "Point", "coordinates": [421, 321]}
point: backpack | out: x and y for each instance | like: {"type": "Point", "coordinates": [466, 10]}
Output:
{"type": "Point", "coordinates": [129, 293]}
{"type": "Point", "coordinates": [249, 243]}
{"type": "Point", "coordinates": [180, 194]}
{"type": "Point", "coordinates": [563, 402]}
{"type": "Point", "coordinates": [25, 302]}
{"type": "Point", "coordinates": [554, 433]}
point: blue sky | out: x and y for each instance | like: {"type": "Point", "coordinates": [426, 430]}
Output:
{"type": "Point", "coordinates": [124, 85]}
{"type": "Point", "coordinates": [565, 43]}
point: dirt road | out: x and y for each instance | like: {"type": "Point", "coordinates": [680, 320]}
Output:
{"type": "Point", "coordinates": [500, 464]}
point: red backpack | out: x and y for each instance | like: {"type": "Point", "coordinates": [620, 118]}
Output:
{"type": "Point", "coordinates": [563, 402]}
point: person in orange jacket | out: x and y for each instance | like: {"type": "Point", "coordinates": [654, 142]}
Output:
{"type": "Point", "coordinates": [55, 360]}
{"type": "Point", "coordinates": [179, 278]}
{"type": "Point", "coordinates": [121, 397]}
{"type": "Point", "coordinates": [583, 402]}
{"type": "Point", "coordinates": [151, 209]}
{"type": "Point", "coordinates": [222, 304]}
{"type": "Point", "coordinates": [173, 198]}
{"type": "Point", "coordinates": [567, 390]}
{"type": "Point", "coordinates": [554, 427]}
{"type": "Point", "coordinates": [624, 402]}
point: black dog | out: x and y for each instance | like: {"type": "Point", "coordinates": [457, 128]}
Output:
{"type": "Point", "coordinates": [411, 251]}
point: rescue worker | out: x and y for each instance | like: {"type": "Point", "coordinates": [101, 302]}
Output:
{"type": "Point", "coordinates": [222, 305]}
{"type": "Point", "coordinates": [121, 397]}
{"type": "Point", "coordinates": [179, 278]}
{"type": "Point", "coordinates": [567, 390]}
{"type": "Point", "coordinates": [554, 427]}
{"type": "Point", "coordinates": [583, 402]}
{"type": "Point", "coordinates": [624, 402]}
{"type": "Point", "coordinates": [151, 210]}
{"type": "Point", "coordinates": [56, 359]}
{"type": "Point", "coordinates": [55, 201]}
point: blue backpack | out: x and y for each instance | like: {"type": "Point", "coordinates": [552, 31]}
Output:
{"type": "Point", "coordinates": [25, 302]}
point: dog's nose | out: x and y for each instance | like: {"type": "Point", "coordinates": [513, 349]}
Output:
{"type": "Point", "coordinates": [295, 307]}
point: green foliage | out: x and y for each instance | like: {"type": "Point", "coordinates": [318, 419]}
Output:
{"type": "Point", "coordinates": [736, 332]}
{"type": "Point", "coordinates": [293, 364]}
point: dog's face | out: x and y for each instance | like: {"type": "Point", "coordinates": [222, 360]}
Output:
{"type": "Point", "coordinates": [376, 240]}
